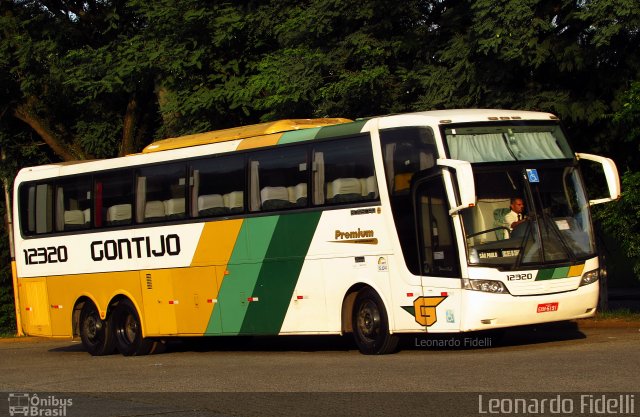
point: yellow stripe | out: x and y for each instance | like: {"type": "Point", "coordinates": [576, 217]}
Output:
{"type": "Point", "coordinates": [576, 270]}
{"type": "Point", "coordinates": [241, 132]}
{"type": "Point", "coordinates": [216, 243]}
{"type": "Point", "coordinates": [259, 141]}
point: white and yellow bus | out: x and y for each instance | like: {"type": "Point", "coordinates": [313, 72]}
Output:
{"type": "Point", "coordinates": [375, 227]}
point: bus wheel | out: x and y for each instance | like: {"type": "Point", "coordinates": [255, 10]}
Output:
{"type": "Point", "coordinates": [127, 330]}
{"type": "Point", "coordinates": [371, 326]}
{"type": "Point", "coordinates": [95, 333]}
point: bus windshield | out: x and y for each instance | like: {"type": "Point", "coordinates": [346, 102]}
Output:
{"type": "Point", "coordinates": [504, 142]}
{"type": "Point", "coordinates": [553, 224]}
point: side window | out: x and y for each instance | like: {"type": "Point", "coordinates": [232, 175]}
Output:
{"type": "Point", "coordinates": [113, 200]}
{"type": "Point", "coordinates": [36, 208]}
{"type": "Point", "coordinates": [161, 193]}
{"type": "Point", "coordinates": [73, 204]}
{"type": "Point", "coordinates": [218, 186]}
{"type": "Point", "coordinates": [278, 179]}
{"type": "Point", "coordinates": [406, 151]}
{"type": "Point", "coordinates": [343, 172]}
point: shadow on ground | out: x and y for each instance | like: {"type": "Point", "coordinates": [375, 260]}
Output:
{"type": "Point", "coordinates": [516, 336]}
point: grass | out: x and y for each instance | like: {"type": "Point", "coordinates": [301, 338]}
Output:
{"type": "Point", "coordinates": [618, 314]}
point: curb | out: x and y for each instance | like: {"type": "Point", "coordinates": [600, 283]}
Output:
{"type": "Point", "coordinates": [608, 324]}
{"type": "Point", "coordinates": [32, 339]}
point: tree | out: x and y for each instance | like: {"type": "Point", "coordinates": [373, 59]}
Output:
{"type": "Point", "coordinates": [622, 218]}
{"type": "Point", "coordinates": [36, 35]}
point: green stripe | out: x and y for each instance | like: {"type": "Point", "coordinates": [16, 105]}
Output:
{"type": "Point", "coordinates": [244, 268]}
{"type": "Point", "coordinates": [410, 309]}
{"type": "Point", "coordinates": [561, 272]}
{"type": "Point", "coordinates": [553, 273]}
{"type": "Point", "coordinates": [345, 129]}
{"type": "Point", "coordinates": [298, 135]}
{"type": "Point", "coordinates": [544, 274]}
{"type": "Point", "coordinates": [279, 274]}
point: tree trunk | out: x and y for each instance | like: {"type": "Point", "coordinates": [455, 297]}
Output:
{"type": "Point", "coordinates": [129, 127]}
{"type": "Point", "coordinates": [26, 112]}
{"type": "Point", "coordinates": [169, 119]}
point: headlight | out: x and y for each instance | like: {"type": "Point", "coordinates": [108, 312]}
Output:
{"type": "Point", "coordinates": [484, 285]}
{"type": "Point", "coordinates": [589, 277]}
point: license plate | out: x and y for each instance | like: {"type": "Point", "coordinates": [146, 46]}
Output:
{"type": "Point", "coordinates": [544, 308]}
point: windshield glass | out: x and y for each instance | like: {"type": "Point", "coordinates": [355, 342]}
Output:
{"type": "Point", "coordinates": [527, 216]}
{"type": "Point", "coordinates": [507, 142]}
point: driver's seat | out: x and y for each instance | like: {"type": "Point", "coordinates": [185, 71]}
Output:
{"type": "Point", "coordinates": [498, 221]}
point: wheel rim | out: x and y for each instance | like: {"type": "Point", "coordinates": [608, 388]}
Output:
{"type": "Point", "coordinates": [93, 328]}
{"type": "Point", "coordinates": [130, 329]}
{"type": "Point", "coordinates": [369, 320]}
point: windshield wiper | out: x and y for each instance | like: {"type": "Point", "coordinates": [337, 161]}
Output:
{"type": "Point", "coordinates": [506, 144]}
{"type": "Point", "coordinates": [550, 224]}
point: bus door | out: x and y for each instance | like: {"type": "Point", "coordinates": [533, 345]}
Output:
{"type": "Point", "coordinates": [439, 308]}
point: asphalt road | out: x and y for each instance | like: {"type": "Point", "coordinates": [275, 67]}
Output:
{"type": "Point", "coordinates": [326, 375]}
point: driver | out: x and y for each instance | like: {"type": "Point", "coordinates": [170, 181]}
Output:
{"type": "Point", "coordinates": [516, 215]}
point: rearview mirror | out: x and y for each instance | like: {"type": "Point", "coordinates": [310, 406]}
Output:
{"type": "Point", "coordinates": [466, 185]}
{"type": "Point", "coordinates": [610, 173]}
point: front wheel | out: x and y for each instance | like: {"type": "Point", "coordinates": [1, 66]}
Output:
{"type": "Point", "coordinates": [127, 330]}
{"type": "Point", "coordinates": [371, 325]}
{"type": "Point", "coordinates": [95, 333]}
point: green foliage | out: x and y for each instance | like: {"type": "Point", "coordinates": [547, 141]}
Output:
{"type": "Point", "coordinates": [622, 218]}
{"type": "Point", "coordinates": [628, 118]}
{"type": "Point", "coordinates": [7, 310]}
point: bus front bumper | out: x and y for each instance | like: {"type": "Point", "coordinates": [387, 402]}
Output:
{"type": "Point", "coordinates": [489, 311]}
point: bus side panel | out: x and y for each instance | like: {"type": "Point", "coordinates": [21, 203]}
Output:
{"type": "Point", "coordinates": [403, 296]}
{"type": "Point", "coordinates": [218, 241]}
{"type": "Point", "coordinates": [35, 306]}
{"type": "Point", "coordinates": [235, 295]}
{"type": "Point", "coordinates": [194, 290]}
{"type": "Point", "coordinates": [159, 302]}
{"type": "Point", "coordinates": [256, 291]}
{"type": "Point", "coordinates": [101, 288]}
{"type": "Point", "coordinates": [440, 307]}
{"type": "Point", "coordinates": [342, 273]}
{"type": "Point", "coordinates": [179, 301]}
{"type": "Point", "coordinates": [280, 272]}
{"type": "Point", "coordinates": [241, 275]}
{"type": "Point", "coordinates": [352, 247]}
{"type": "Point", "coordinates": [308, 307]}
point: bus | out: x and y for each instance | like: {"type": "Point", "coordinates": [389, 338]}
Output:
{"type": "Point", "coordinates": [376, 227]}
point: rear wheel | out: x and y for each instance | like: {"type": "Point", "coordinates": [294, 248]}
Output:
{"type": "Point", "coordinates": [95, 333]}
{"type": "Point", "coordinates": [127, 331]}
{"type": "Point", "coordinates": [371, 325]}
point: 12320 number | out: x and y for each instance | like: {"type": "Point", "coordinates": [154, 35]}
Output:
{"type": "Point", "coordinates": [48, 255]}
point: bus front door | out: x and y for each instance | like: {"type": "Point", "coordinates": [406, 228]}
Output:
{"type": "Point", "coordinates": [438, 254]}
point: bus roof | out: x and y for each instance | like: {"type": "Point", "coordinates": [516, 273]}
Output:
{"type": "Point", "coordinates": [242, 132]}
{"type": "Point", "coordinates": [445, 117]}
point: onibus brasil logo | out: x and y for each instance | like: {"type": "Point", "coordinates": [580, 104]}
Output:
{"type": "Point", "coordinates": [21, 404]}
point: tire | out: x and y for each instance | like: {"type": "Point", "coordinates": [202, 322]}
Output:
{"type": "Point", "coordinates": [371, 325]}
{"type": "Point", "coordinates": [95, 333]}
{"type": "Point", "coordinates": [127, 331]}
